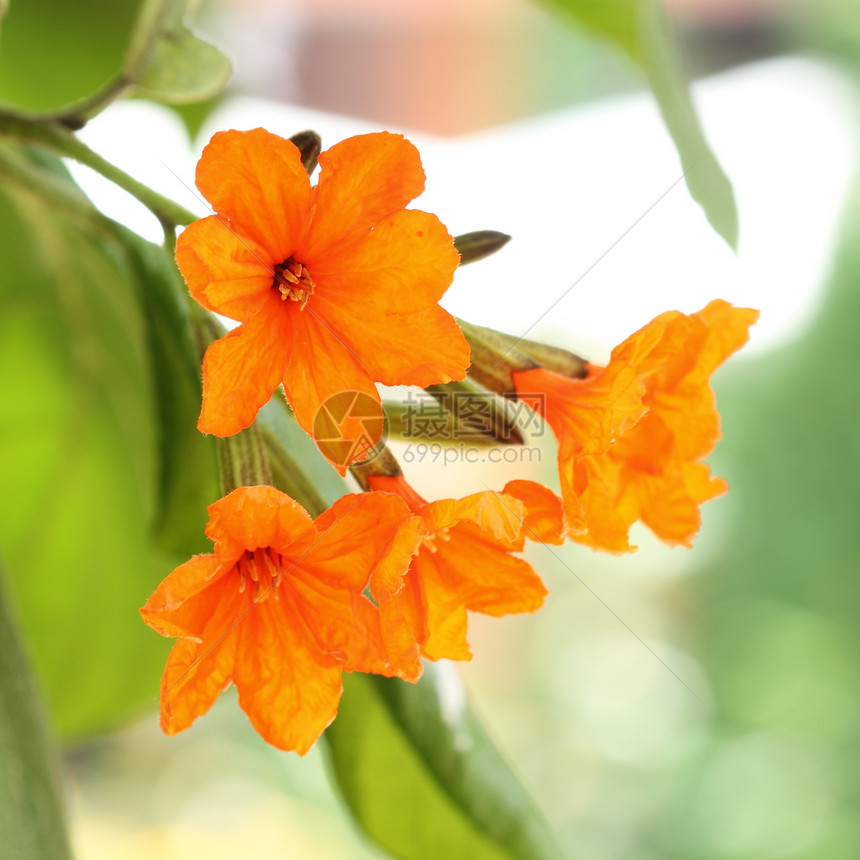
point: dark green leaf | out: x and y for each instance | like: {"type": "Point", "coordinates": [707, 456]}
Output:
{"type": "Point", "coordinates": [31, 815]}
{"type": "Point", "coordinates": [188, 472]}
{"type": "Point", "coordinates": [640, 29]}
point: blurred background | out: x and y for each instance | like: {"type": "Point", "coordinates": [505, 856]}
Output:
{"type": "Point", "coordinates": [672, 703]}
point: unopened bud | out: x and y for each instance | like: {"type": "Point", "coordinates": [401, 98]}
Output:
{"type": "Point", "coordinates": [309, 144]}
{"type": "Point", "coordinates": [479, 244]}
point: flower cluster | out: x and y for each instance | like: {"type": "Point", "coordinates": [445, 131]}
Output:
{"type": "Point", "coordinates": [335, 288]}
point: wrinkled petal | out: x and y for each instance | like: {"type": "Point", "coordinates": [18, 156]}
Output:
{"type": "Point", "coordinates": [257, 181]}
{"type": "Point", "coordinates": [242, 370]}
{"type": "Point", "coordinates": [445, 619]}
{"type": "Point", "coordinates": [289, 696]}
{"type": "Point", "coordinates": [196, 672]}
{"type": "Point", "coordinates": [253, 517]}
{"type": "Point", "coordinates": [501, 517]}
{"type": "Point", "coordinates": [423, 348]}
{"type": "Point", "coordinates": [345, 431]}
{"type": "Point", "coordinates": [544, 517]}
{"type": "Point", "coordinates": [641, 462]}
{"type": "Point", "coordinates": [588, 412]}
{"type": "Point", "coordinates": [403, 265]}
{"type": "Point", "coordinates": [402, 626]}
{"type": "Point", "coordinates": [170, 609]}
{"type": "Point", "coordinates": [362, 180]}
{"type": "Point", "coordinates": [485, 579]}
{"type": "Point", "coordinates": [227, 274]}
{"type": "Point", "coordinates": [366, 537]}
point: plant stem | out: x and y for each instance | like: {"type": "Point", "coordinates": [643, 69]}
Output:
{"type": "Point", "coordinates": [51, 189]}
{"type": "Point", "coordinates": [59, 139]}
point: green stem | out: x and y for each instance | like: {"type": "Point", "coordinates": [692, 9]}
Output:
{"type": "Point", "coordinates": [59, 139]}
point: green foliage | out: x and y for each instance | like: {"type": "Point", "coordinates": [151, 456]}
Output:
{"type": "Point", "coordinates": [167, 62]}
{"type": "Point", "coordinates": [31, 818]}
{"type": "Point", "coordinates": [422, 778]}
{"type": "Point", "coordinates": [640, 29]}
{"type": "Point", "coordinates": [53, 52]}
{"type": "Point", "coordinates": [79, 460]}
{"type": "Point", "coordinates": [183, 68]}
{"type": "Point", "coordinates": [188, 477]}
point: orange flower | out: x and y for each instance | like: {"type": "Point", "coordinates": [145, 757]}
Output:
{"type": "Point", "coordinates": [336, 286]}
{"type": "Point", "coordinates": [278, 610]}
{"type": "Point", "coordinates": [464, 562]}
{"type": "Point", "coordinates": [631, 436]}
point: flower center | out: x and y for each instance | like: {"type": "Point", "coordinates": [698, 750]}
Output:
{"type": "Point", "coordinates": [264, 568]}
{"type": "Point", "coordinates": [429, 540]}
{"type": "Point", "coordinates": [293, 282]}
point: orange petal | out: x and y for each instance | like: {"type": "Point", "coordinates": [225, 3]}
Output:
{"type": "Point", "coordinates": [485, 576]}
{"type": "Point", "coordinates": [544, 519]}
{"type": "Point", "coordinates": [403, 265]}
{"type": "Point", "coordinates": [226, 274]}
{"type": "Point", "coordinates": [501, 517]}
{"type": "Point", "coordinates": [196, 672]}
{"type": "Point", "coordinates": [444, 614]}
{"type": "Point", "coordinates": [670, 502]}
{"type": "Point", "coordinates": [287, 694]}
{"type": "Point", "coordinates": [170, 609]}
{"type": "Point", "coordinates": [367, 537]}
{"type": "Point", "coordinates": [257, 181]}
{"type": "Point", "coordinates": [320, 365]}
{"type": "Point", "coordinates": [363, 179]}
{"type": "Point", "coordinates": [420, 349]}
{"type": "Point", "coordinates": [401, 616]}
{"type": "Point", "coordinates": [242, 370]}
{"type": "Point", "coordinates": [588, 413]}
{"type": "Point", "coordinates": [253, 517]}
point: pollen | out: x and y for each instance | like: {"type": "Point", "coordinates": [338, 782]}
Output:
{"type": "Point", "coordinates": [293, 282]}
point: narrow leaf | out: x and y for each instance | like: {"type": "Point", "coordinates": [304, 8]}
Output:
{"type": "Point", "coordinates": [31, 814]}
{"type": "Point", "coordinates": [640, 29]}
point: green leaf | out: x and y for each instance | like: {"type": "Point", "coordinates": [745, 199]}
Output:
{"type": "Point", "coordinates": [182, 68]}
{"type": "Point", "coordinates": [188, 467]}
{"type": "Point", "coordinates": [423, 779]}
{"type": "Point", "coordinates": [53, 52]}
{"type": "Point", "coordinates": [640, 29]}
{"type": "Point", "coordinates": [31, 815]}
{"type": "Point", "coordinates": [78, 459]}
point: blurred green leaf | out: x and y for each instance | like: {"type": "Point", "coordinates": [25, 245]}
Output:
{"type": "Point", "coordinates": [640, 29]}
{"type": "Point", "coordinates": [78, 457]}
{"type": "Point", "coordinates": [31, 815]}
{"type": "Point", "coordinates": [182, 68]}
{"type": "Point", "coordinates": [53, 52]}
{"type": "Point", "coordinates": [423, 779]}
